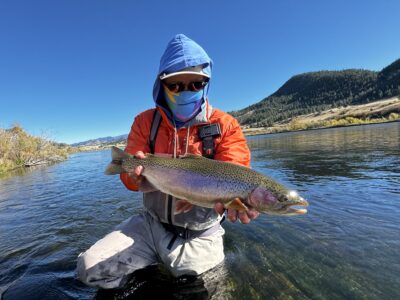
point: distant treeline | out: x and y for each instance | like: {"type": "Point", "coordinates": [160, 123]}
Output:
{"type": "Point", "coordinates": [20, 149]}
{"type": "Point", "coordinates": [318, 91]}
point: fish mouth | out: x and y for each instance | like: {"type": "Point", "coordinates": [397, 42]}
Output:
{"type": "Point", "coordinates": [296, 207]}
{"type": "Point", "coordinates": [294, 211]}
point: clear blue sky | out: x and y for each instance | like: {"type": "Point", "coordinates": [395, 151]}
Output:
{"type": "Point", "coordinates": [74, 70]}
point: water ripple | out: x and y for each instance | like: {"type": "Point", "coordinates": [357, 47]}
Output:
{"type": "Point", "coordinates": [344, 248]}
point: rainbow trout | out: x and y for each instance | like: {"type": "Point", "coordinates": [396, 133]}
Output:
{"type": "Point", "coordinates": [204, 182]}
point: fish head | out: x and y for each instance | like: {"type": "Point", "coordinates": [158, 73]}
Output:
{"type": "Point", "coordinates": [283, 202]}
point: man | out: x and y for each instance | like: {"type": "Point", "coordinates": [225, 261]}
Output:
{"type": "Point", "coordinates": [187, 239]}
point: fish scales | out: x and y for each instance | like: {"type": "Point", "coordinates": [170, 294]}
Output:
{"type": "Point", "coordinates": [204, 182]}
{"type": "Point", "coordinates": [199, 180]}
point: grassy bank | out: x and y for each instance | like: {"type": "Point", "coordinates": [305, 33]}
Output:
{"type": "Point", "coordinates": [20, 149]}
{"type": "Point", "coordinates": [347, 121]}
{"type": "Point", "coordinates": [372, 113]}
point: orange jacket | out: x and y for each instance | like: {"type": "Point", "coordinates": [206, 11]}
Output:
{"type": "Point", "coordinates": [231, 146]}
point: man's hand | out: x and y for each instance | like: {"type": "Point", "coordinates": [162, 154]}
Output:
{"type": "Point", "coordinates": [232, 214]}
{"type": "Point", "coordinates": [183, 206]}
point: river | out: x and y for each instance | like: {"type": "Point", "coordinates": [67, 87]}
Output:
{"type": "Point", "coordinates": [346, 247]}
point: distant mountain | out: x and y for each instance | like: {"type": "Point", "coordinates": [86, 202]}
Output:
{"type": "Point", "coordinates": [318, 91]}
{"type": "Point", "coordinates": [102, 141]}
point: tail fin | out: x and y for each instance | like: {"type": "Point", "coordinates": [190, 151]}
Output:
{"type": "Point", "coordinates": [115, 167]}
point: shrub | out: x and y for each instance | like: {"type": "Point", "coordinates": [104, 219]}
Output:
{"type": "Point", "coordinates": [17, 148]}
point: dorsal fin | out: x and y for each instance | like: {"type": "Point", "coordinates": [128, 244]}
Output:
{"type": "Point", "coordinates": [189, 155]}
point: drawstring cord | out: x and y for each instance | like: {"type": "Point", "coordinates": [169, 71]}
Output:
{"type": "Point", "coordinates": [187, 140]}
{"type": "Point", "coordinates": [175, 139]}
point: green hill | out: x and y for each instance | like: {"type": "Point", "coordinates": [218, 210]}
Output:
{"type": "Point", "coordinates": [318, 91]}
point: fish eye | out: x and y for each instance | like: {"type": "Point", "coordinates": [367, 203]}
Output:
{"type": "Point", "coordinates": [283, 198]}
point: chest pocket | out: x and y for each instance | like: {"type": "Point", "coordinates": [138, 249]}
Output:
{"type": "Point", "coordinates": [206, 136]}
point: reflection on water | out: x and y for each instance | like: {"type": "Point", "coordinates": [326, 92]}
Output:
{"type": "Point", "coordinates": [343, 152]}
{"type": "Point", "coordinates": [346, 247]}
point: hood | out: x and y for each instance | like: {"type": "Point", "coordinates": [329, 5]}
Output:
{"type": "Point", "coordinates": [181, 53]}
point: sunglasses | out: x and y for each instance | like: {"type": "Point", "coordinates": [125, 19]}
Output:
{"type": "Point", "coordinates": [193, 86]}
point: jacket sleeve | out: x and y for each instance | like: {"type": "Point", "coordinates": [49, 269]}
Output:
{"type": "Point", "coordinates": [233, 146]}
{"type": "Point", "coordinates": [138, 140]}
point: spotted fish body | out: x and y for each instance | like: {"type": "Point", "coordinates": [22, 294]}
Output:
{"type": "Point", "coordinates": [205, 182]}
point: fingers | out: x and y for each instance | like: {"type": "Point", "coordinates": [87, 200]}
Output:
{"type": "Point", "coordinates": [244, 217]}
{"type": "Point", "coordinates": [219, 208]}
{"type": "Point", "coordinates": [138, 170]}
{"type": "Point", "coordinates": [232, 215]}
{"type": "Point", "coordinates": [252, 214]}
{"type": "Point", "coordinates": [136, 174]}
{"type": "Point", "coordinates": [140, 154]}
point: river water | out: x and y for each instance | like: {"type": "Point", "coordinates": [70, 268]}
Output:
{"type": "Point", "coordinates": [346, 247]}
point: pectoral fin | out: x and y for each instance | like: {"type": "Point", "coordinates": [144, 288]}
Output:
{"type": "Point", "coordinates": [237, 204]}
{"type": "Point", "coordinates": [182, 206]}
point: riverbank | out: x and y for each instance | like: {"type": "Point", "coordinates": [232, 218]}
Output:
{"type": "Point", "coordinates": [382, 111]}
{"type": "Point", "coordinates": [18, 149]}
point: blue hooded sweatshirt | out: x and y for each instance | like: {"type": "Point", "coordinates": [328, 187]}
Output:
{"type": "Point", "coordinates": [181, 53]}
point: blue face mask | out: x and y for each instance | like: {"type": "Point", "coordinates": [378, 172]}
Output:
{"type": "Point", "coordinates": [184, 105]}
